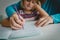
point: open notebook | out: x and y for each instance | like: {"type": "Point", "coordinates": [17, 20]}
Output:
{"type": "Point", "coordinates": [29, 30]}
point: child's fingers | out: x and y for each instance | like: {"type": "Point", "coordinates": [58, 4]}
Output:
{"type": "Point", "coordinates": [19, 21]}
{"type": "Point", "coordinates": [17, 16]}
{"type": "Point", "coordinates": [13, 27]}
{"type": "Point", "coordinates": [40, 20]}
{"type": "Point", "coordinates": [46, 23]}
{"type": "Point", "coordinates": [15, 24]}
{"type": "Point", "coordinates": [42, 23]}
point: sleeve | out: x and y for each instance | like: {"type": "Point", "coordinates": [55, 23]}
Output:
{"type": "Point", "coordinates": [9, 11]}
{"type": "Point", "coordinates": [56, 18]}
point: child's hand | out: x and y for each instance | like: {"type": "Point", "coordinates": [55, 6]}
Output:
{"type": "Point", "coordinates": [37, 6]}
{"type": "Point", "coordinates": [44, 21]}
{"type": "Point", "coordinates": [15, 22]}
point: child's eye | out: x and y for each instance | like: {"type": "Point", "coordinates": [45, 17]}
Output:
{"type": "Point", "coordinates": [33, 2]}
{"type": "Point", "coordinates": [28, 0]}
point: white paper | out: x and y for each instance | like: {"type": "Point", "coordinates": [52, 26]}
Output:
{"type": "Point", "coordinates": [29, 30]}
{"type": "Point", "coordinates": [4, 32]}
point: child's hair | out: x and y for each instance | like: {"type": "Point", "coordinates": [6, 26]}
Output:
{"type": "Point", "coordinates": [42, 1]}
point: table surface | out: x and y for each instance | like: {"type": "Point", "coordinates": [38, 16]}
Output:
{"type": "Point", "coordinates": [50, 32]}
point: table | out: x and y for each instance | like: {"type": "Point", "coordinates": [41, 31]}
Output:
{"type": "Point", "coordinates": [49, 32]}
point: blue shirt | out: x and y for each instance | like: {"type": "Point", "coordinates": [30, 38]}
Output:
{"type": "Point", "coordinates": [52, 7]}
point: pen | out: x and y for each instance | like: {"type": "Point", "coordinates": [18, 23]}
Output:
{"type": "Point", "coordinates": [18, 15]}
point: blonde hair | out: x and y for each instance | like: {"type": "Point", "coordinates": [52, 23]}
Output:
{"type": "Point", "coordinates": [42, 1]}
{"type": "Point", "coordinates": [37, 1]}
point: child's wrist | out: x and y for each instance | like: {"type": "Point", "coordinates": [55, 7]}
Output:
{"type": "Point", "coordinates": [39, 9]}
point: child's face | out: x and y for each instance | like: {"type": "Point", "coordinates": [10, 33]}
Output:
{"type": "Point", "coordinates": [28, 4]}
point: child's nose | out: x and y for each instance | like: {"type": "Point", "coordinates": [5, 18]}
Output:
{"type": "Point", "coordinates": [29, 3]}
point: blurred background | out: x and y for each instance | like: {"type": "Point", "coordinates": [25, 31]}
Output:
{"type": "Point", "coordinates": [3, 5]}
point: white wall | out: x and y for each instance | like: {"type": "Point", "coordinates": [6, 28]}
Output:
{"type": "Point", "coordinates": [4, 4]}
